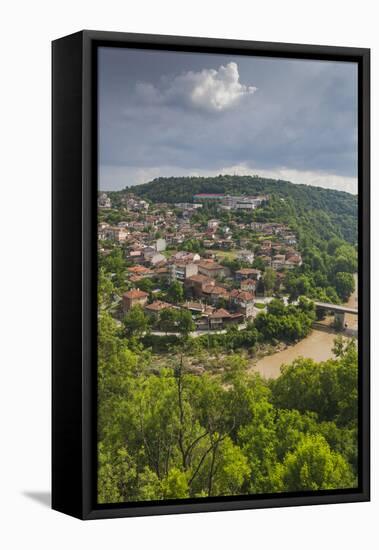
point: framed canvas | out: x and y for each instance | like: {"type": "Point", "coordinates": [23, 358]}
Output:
{"type": "Point", "coordinates": [210, 248]}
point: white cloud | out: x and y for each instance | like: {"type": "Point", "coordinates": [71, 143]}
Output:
{"type": "Point", "coordinates": [306, 177]}
{"type": "Point", "coordinates": [210, 90]}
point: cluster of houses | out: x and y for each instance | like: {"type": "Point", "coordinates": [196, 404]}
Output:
{"type": "Point", "coordinates": [216, 294]}
{"type": "Point", "coordinates": [129, 202]}
{"type": "Point", "coordinates": [213, 304]}
{"type": "Point", "coordinates": [206, 317]}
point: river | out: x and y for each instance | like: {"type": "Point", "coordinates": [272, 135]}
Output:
{"type": "Point", "coordinates": [317, 345]}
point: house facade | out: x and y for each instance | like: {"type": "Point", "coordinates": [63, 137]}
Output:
{"type": "Point", "coordinates": [248, 273]}
{"type": "Point", "coordinates": [182, 270]}
{"type": "Point", "coordinates": [155, 308]}
{"type": "Point", "coordinates": [196, 284]}
{"type": "Point", "coordinates": [243, 301]}
{"type": "Point", "coordinates": [212, 269]}
{"type": "Point", "coordinates": [132, 298]}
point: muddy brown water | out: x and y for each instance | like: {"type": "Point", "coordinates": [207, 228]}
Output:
{"type": "Point", "coordinates": [317, 346]}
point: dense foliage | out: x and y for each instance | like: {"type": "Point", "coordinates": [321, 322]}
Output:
{"type": "Point", "coordinates": [168, 433]}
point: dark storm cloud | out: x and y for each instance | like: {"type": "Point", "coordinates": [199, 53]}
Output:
{"type": "Point", "coordinates": [168, 113]}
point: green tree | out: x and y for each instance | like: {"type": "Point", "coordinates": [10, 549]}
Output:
{"type": "Point", "coordinates": [344, 285]}
{"type": "Point", "coordinates": [313, 466]}
{"type": "Point", "coordinates": [328, 389]}
{"type": "Point", "coordinates": [175, 293]}
{"type": "Point", "coordinates": [297, 285]}
{"type": "Point", "coordinates": [333, 245]}
{"type": "Point", "coordinates": [116, 474]}
{"type": "Point", "coordinates": [276, 307]}
{"type": "Point", "coordinates": [136, 323]}
{"type": "Point", "coordinates": [269, 279]}
{"type": "Point", "coordinates": [307, 306]}
{"type": "Point", "coordinates": [185, 322]}
{"type": "Point", "coordinates": [175, 485]}
{"type": "Point", "coordinates": [258, 440]}
{"type": "Point", "coordinates": [230, 469]}
{"type": "Point", "coordinates": [290, 427]}
{"type": "Point", "coordinates": [168, 320]}
{"type": "Point", "coordinates": [105, 288]}
{"type": "Point", "coordinates": [259, 263]}
{"type": "Point", "coordinates": [146, 285]}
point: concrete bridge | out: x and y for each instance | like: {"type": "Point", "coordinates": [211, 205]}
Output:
{"type": "Point", "coordinates": [338, 310]}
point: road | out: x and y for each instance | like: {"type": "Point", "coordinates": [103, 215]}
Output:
{"type": "Point", "coordinates": [196, 333]}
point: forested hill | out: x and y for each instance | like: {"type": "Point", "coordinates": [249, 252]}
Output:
{"type": "Point", "coordinates": [182, 189]}
{"type": "Point", "coordinates": [341, 207]}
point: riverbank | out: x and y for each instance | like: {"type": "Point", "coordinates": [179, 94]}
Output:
{"type": "Point", "coordinates": [318, 345]}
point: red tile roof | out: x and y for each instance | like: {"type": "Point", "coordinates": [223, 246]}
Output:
{"type": "Point", "coordinates": [200, 279]}
{"type": "Point", "coordinates": [194, 305]}
{"type": "Point", "coordinates": [208, 288]}
{"type": "Point", "coordinates": [219, 290]}
{"type": "Point", "coordinates": [295, 258]}
{"type": "Point", "coordinates": [220, 313]}
{"type": "Point", "coordinates": [138, 269]}
{"type": "Point", "coordinates": [158, 305]}
{"type": "Point", "coordinates": [135, 278]}
{"type": "Point", "coordinates": [243, 295]}
{"type": "Point", "coordinates": [209, 265]}
{"type": "Point", "coordinates": [135, 293]}
{"type": "Point", "coordinates": [248, 271]}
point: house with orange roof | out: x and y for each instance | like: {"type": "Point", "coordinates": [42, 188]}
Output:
{"type": "Point", "coordinates": [248, 284]}
{"type": "Point", "coordinates": [218, 318]}
{"type": "Point", "coordinates": [134, 297]}
{"type": "Point", "coordinates": [155, 308]}
{"type": "Point", "coordinates": [212, 269]}
{"type": "Point", "coordinates": [221, 318]}
{"type": "Point", "coordinates": [248, 273]}
{"type": "Point", "coordinates": [243, 301]}
{"type": "Point", "coordinates": [196, 284]}
{"type": "Point", "coordinates": [214, 293]}
{"type": "Point", "coordinates": [141, 271]}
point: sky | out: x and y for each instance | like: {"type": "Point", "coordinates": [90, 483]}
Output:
{"type": "Point", "coordinates": [167, 113]}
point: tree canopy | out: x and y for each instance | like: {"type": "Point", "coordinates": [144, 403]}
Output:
{"type": "Point", "coordinates": [174, 434]}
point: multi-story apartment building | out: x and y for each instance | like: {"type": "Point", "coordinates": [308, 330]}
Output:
{"type": "Point", "coordinates": [182, 270]}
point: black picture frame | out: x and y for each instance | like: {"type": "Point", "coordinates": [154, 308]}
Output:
{"type": "Point", "coordinates": [74, 302]}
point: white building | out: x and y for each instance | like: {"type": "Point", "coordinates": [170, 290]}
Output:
{"type": "Point", "coordinates": [182, 270]}
{"type": "Point", "coordinates": [278, 261]}
{"type": "Point", "coordinates": [188, 205]}
{"type": "Point", "coordinates": [118, 234]}
{"type": "Point", "coordinates": [246, 256]}
{"type": "Point", "coordinates": [213, 224]}
{"type": "Point", "coordinates": [104, 201]}
{"type": "Point", "coordinates": [156, 258]}
{"type": "Point", "coordinates": [232, 202]}
{"type": "Point", "coordinates": [160, 245]}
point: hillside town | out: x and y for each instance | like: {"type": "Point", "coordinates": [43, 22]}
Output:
{"type": "Point", "coordinates": [220, 273]}
{"type": "Point", "coordinates": [227, 333]}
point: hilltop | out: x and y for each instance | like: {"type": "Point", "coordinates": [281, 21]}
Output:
{"type": "Point", "coordinates": [340, 207]}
